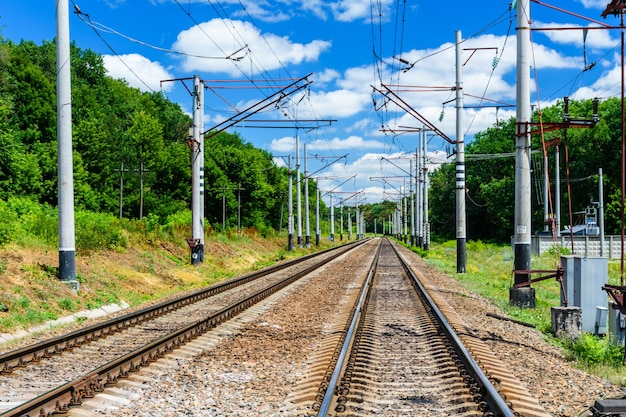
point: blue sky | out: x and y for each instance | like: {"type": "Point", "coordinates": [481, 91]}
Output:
{"type": "Point", "coordinates": [347, 46]}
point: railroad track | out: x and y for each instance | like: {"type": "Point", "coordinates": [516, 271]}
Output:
{"type": "Point", "coordinates": [384, 353]}
{"type": "Point", "coordinates": [402, 352]}
{"type": "Point", "coordinates": [50, 377]}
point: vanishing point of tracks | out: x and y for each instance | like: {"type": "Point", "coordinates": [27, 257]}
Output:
{"type": "Point", "coordinates": [397, 352]}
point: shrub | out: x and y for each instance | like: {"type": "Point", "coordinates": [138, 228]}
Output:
{"type": "Point", "coordinates": [592, 350]}
{"type": "Point", "coordinates": [99, 231]}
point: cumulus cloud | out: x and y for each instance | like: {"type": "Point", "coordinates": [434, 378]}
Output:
{"type": "Point", "coordinates": [287, 144]}
{"type": "Point", "coordinates": [351, 142]}
{"type": "Point", "coordinates": [594, 4]}
{"type": "Point", "coordinates": [254, 51]}
{"type": "Point", "coordinates": [138, 71]}
{"type": "Point", "coordinates": [339, 103]}
{"type": "Point", "coordinates": [594, 38]}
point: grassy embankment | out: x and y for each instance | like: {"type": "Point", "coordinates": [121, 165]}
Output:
{"type": "Point", "coordinates": [116, 260]}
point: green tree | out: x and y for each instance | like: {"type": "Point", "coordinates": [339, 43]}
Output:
{"type": "Point", "coordinates": [145, 136]}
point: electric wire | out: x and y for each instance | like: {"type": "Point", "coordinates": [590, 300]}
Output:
{"type": "Point", "coordinates": [106, 29]}
{"type": "Point", "coordinates": [485, 28]}
{"type": "Point", "coordinates": [81, 16]}
{"type": "Point", "coordinates": [493, 69]}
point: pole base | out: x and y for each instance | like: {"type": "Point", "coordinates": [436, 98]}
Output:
{"type": "Point", "coordinates": [522, 297]}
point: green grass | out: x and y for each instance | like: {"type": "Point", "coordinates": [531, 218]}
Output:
{"type": "Point", "coordinates": [489, 272]}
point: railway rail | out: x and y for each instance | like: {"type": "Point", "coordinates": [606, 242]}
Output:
{"type": "Point", "coordinates": [33, 382]}
{"type": "Point", "coordinates": [399, 355]}
{"type": "Point", "coordinates": [393, 348]}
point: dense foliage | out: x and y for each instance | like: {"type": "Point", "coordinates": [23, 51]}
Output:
{"type": "Point", "coordinates": [120, 137]}
{"type": "Point", "coordinates": [490, 174]}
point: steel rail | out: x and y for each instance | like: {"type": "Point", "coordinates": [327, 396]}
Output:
{"type": "Point", "coordinates": [347, 343]}
{"type": "Point", "coordinates": [494, 401]}
{"type": "Point", "coordinates": [44, 349]}
{"type": "Point", "coordinates": [59, 400]}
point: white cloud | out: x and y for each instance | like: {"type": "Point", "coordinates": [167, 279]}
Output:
{"type": "Point", "coordinates": [350, 10]}
{"type": "Point", "coordinates": [219, 38]}
{"type": "Point", "coordinates": [287, 144]}
{"type": "Point", "coordinates": [594, 4]}
{"type": "Point", "coordinates": [284, 145]}
{"type": "Point", "coordinates": [351, 142]}
{"type": "Point", "coordinates": [138, 71]}
{"type": "Point", "coordinates": [325, 77]}
{"type": "Point", "coordinates": [595, 38]}
{"type": "Point", "coordinates": [339, 103]}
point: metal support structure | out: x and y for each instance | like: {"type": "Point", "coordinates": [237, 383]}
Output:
{"type": "Point", "coordinates": [67, 249]}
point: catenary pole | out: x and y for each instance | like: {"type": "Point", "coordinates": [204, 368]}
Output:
{"type": "Point", "coordinates": [522, 232]}
{"type": "Point", "coordinates": [341, 220]}
{"type": "Point", "coordinates": [418, 194]}
{"type": "Point", "coordinates": [197, 176]}
{"type": "Point", "coordinates": [67, 249]}
{"type": "Point", "coordinates": [412, 204]}
{"type": "Point", "coordinates": [307, 238]}
{"type": "Point", "coordinates": [317, 214]}
{"type": "Point", "coordinates": [298, 191]}
{"type": "Point", "coordinates": [332, 219]}
{"type": "Point", "coordinates": [601, 211]}
{"type": "Point", "coordinates": [290, 210]}
{"type": "Point", "coordinates": [461, 236]}
{"type": "Point", "coordinates": [425, 191]}
{"type": "Point", "coordinates": [557, 190]}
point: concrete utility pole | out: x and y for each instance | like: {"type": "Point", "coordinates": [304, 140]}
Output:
{"type": "Point", "coordinates": [412, 206]}
{"type": "Point", "coordinates": [298, 191]}
{"type": "Point", "coordinates": [307, 238]}
{"type": "Point", "coordinates": [67, 249]}
{"type": "Point", "coordinates": [332, 219]}
{"type": "Point", "coordinates": [557, 190]}
{"type": "Point", "coordinates": [601, 210]}
{"type": "Point", "coordinates": [461, 236]}
{"type": "Point", "coordinates": [426, 227]}
{"type": "Point", "coordinates": [405, 213]}
{"type": "Point", "coordinates": [196, 243]}
{"type": "Point", "coordinates": [341, 220]}
{"type": "Point", "coordinates": [349, 224]}
{"type": "Point", "coordinates": [122, 188]}
{"type": "Point", "coordinates": [317, 215]}
{"type": "Point", "coordinates": [418, 195]}
{"type": "Point", "coordinates": [290, 210]}
{"type": "Point", "coordinates": [522, 297]}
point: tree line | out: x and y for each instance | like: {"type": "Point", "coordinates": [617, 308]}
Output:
{"type": "Point", "coordinates": [122, 137]}
{"type": "Point", "coordinates": [490, 173]}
